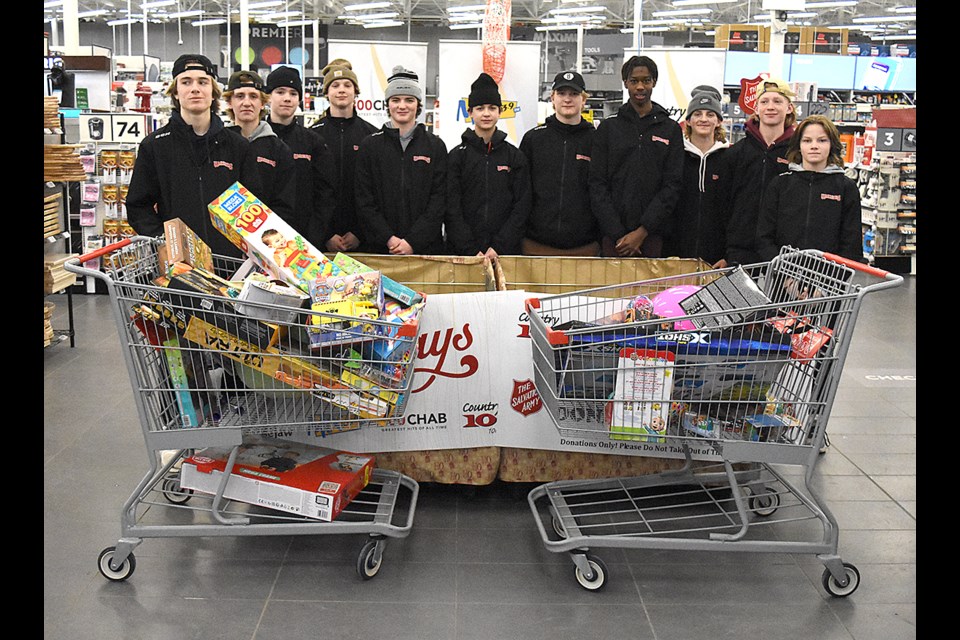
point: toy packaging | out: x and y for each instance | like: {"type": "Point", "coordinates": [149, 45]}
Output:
{"type": "Point", "coordinates": [346, 324]}
{"type": "Point", "coordinates": [183, 245]}
{"type": "Point", "coordinates": [734, 292]}
{"type": "Point", "coordinates": [266, 238]}
{"type": "Point", "coordinates": [641, 398]}
{"type": "Point", "coordinates": [397, 291]}
{"type": "Point", "coordinates": [261, 289]}
{"type": "Point", "coordinates": [307, 480]}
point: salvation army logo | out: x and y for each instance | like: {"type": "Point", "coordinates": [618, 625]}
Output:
{"type": "Point", "coordinates": [524, 399]}
{"type": "Point", "coordinates": [748, 94]}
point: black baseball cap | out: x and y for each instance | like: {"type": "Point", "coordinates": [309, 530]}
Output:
{"type": "Point", "coordinates": [570, 79]}
{"type": "Point", "coordinates": [194, 61]}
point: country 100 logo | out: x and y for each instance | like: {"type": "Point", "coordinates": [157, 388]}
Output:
{"type": "Point", "coordinates": [509, 109]}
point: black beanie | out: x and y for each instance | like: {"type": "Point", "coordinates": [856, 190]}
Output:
{"type": "Point", "coordinates": [483, 91]}
{"type": "Point", "coordinates": [284, 77]}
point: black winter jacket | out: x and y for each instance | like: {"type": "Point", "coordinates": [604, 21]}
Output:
{"type": "Point", "coordinates": [752, 165]}
{"type": "Point", "coordinates": [488, 196]}
{"type": "Point", "coordinates": [636, 172]}
{"type": "Point", "coordinates": [343, 136]}
{"type": "Point", "coordinates": [314, 191]}
{"type": "Point", "coordinates": [402, 192]}
{"type": "Point", "coordinates": [180, 173]}
{"type": "Point", "coordinates": [558, 159]}
{"type": "Point", "coordinates": [811, 210]}
{"type": "Point", "coordinates": [701, 215]}
{"type": "Point", "coordinates": [275, 163]}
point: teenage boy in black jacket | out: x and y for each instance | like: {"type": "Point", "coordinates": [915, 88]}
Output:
{"type": "Point", "coordinates": [558, 156]}
{"type": "Point", "coordinates": [488, 196]}
{"type": "Point", "coordinates": [342, 129]}
{"type": "Point", "coordinates": [187, 163]}
{"type": "Point", "coordinates": [246, 104]}
{"type": "Point", "coordinates": [311, 158]}
{"type": "Point", "coordinates": [637, 168]}
{"type": "Point", "coordinates": [401, 177]}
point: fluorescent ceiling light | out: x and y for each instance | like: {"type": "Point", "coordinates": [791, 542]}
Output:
{"type": "Point", "coordinates": [466, 25]}
{"type": "Point", "coordinates": [572, 19]}
{"type": "Point", "coordinates": [465, 17]}
{"type": "Point", "coordinates": [558, 27]}
{"type": "Point", "coordinates": [903, 9]}
{"type": "Point", "coordinates": [681, 12]}
{"type": "Point", "coordinates": [803, 14]}
{"type": "Point", "coordinates": [688, 3]}
{"type": "Point", "coordinates": [264, 4]}
{"type": "Point", "coordinates": [900, 37]}
{"type": "Point", "coordinates": [121, 22]}
{"type": "Point", "coordinates": [832, 3]}
{"type": "Point", "coordinates": [367, 5]}
{"type": "Point", "coordinates": [294, 23]}
{"type": "Point", "coordinates": [469, 7]}
{"type": "Point", "coordinates": [577, 10]}
{"type": "Point", "coordinates": [386, 15]}
{"type": "Point", "coordinates": [281, 14]}
{"type": "Point", "coordinates": [185, 14]}
{"type": "Point", "coordinates": [382, 24]}
{"type": "Point", "coordinates": [157, 3]}
{"type": "Point", "coordinates": [52, 3]}
{"type": "Point", "coordinates": [885, 19]}
{"type": "Point", "coordinates": [646, 30]}
{"type": "Point", "coordinates": [91, 13]}
{"type": "Point", "coordinates": [207, 21]}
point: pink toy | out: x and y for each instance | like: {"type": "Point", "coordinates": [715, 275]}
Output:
{"type": "Point", "coordinates": [666, 304]}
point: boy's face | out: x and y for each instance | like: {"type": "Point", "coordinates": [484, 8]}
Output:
{"type": "Point", "coordinates": [341, 93]}
{"type": "Point", "coordinates": [284, 102]}
{"type": "Point", "coordinates": [567, 102]}
{"type": "Point", "coordinates": [485, 117]}
{"type": "Point", "coordinates": [194, 91]}
{"type": "Point", "coordinates": [639, 85]}
{"type": "Point", "coordinates": [246, 103]}
{"type": "Point", "coordinates": [403, 110]}
{"type": "Point", "coordinates": [773, 107]}
{"type": "Point", "coordinates": [704, 122]}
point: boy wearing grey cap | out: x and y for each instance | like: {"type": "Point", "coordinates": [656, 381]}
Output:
{"type": "Point", "coordinates": [701, 214]}
{"type": "Point", "coordinates": [401, 177]}
{"type": "Point", "coordinates": [185, 164]}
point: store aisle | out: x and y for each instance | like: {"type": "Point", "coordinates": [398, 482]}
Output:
{"type": "Point", "coordinates": [473, 567]}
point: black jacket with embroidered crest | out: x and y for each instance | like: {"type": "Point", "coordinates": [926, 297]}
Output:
{"type": "Point", "coordinates": [558, 159]}
{"type": "Point", "coordinates": [636, 172]}
{"type": "Point", "coordinates": [342, 137]}
{"type": "Point", "coordinates": [278, 183]}
{"type": "Point", "coordinates": [314, 191]}
{"type": "Point", "coordinates": [178, 173]}
{"type": "Point", "coordinates": [402, 192]}
{"type": "Point", "coordinates": [488, 196]}
{"type": "Point", "coordinates": [811, 210]}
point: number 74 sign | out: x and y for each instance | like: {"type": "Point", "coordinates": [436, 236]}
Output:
{"type": "Point", "coordinates": [114, 127]}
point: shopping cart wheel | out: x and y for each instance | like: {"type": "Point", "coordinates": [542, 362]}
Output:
{"type": "Point", "coordinates": [833, 587]}
{"type": "Point", "coordinates": [599, 577]}
{"type": "Point", "coordinates": [173, 492]}
{"type": "Point", "coordinates": [116, 575]}
{"type": "Point", "coordinates": [557, 523]}
{"type": "Point", "coordinates": [765, 504]}
{"type": "Point", "coordinates": [369, 561]}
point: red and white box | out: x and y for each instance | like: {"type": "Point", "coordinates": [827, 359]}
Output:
{"type": "Point", "coordinates": [304, 479]}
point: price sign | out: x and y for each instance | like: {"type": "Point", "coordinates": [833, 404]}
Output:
{"type": "Point", "coordinates": [128, 128]}
{"type": "Point", "coordinates": [889, 139]}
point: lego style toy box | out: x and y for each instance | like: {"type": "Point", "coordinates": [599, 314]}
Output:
{"type": "Point", "coordinates": [307, 480]}
{"type": "Point", "coordinates": [267, 239]}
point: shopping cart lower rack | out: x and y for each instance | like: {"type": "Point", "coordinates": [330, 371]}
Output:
{"type": "Point", "coordinates": [206, 376]}
{"type": "Point", "coordinates": [735, 370]}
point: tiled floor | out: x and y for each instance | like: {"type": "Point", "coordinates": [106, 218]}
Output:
{"type": "Point", "coordinates": [474, 566]}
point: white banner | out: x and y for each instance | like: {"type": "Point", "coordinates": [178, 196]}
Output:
{"type": "Point", "coordinates": [679, 71]}
{"type": "Point", "coordinates": [373, 63]}
{"type": "Point", "coordinates": [473, 387]}
{"type": "Point", "coordinates": [461, 61]}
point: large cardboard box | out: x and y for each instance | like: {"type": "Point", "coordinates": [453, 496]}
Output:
{"type": "Point", "coordinates": [435, 274]}
{"type": "Point", "coordinates": [183, 245]}
{"type": "Point", "coordinates": [311, 481]}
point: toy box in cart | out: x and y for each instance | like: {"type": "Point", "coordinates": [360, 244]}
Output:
{"type": "Point", "coordinates": [315, 482]}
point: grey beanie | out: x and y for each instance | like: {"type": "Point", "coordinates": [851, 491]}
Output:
{"type": "Point", "coordinates": [403, 82]}
{"type": "Point", "coordinates": [706, 99]}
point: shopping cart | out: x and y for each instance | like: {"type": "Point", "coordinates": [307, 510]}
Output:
{"type": "Point", "coordinates": [204, 375]}
{"type": "Point", "coordinates": [744, 371]}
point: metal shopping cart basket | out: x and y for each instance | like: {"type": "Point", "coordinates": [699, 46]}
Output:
{"type": "Point", "coordinates": [735, 370]}
{"type": "Point", "coordinates": [205, 375]}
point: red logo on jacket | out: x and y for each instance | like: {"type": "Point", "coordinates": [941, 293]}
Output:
{"type": "Point", "coordinates": [223, 163]}
{"type": "Point", "coordinates": [830, 196]}
{"type": "Point", "coordinates": [503, 167]}
{"type": "Point", "coordinates": [580, 156]}
{"type": "Point", "coordinates": [422, 159]}
{"type": "Point", "coordinates": [302, 156]}
{"type": "Point", "coordinates": [659, 139]}
{"type": "Point", "coordinates": [268, 161]}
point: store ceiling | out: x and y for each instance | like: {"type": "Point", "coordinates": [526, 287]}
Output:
{"type": "Point", "coordinates": [611, 14]}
